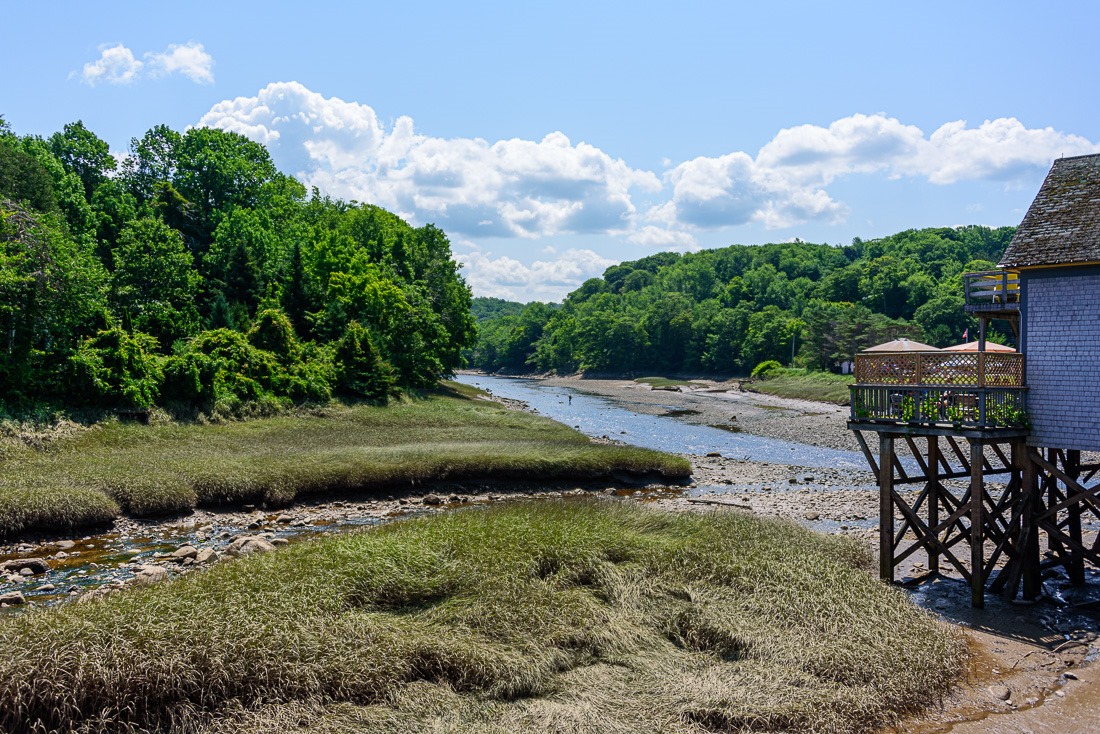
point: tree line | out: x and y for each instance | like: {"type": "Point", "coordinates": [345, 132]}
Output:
{"type": "Point", "coordinates": [195, 275]}
{"type": "Point", "coordinates": [727, 310]}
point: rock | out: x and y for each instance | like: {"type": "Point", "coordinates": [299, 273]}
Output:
{"type": "Point", "coordinates": [182, 554]}
{"type": "Point", "coordinates": [150, 574]}
{"type": "Point", "coordinates": [432, 499]}
{"type": "Point", "coordinates": [248, 544]}
{"type": "Point", "coordinates": [812, 516]}
{"type": "Point", "coordinates": [284, 519]}
{"type": "Point", "coordinates": [13, 598]}
{"type": "Point", "coordinates": [46, 587]}
{"type": "Point", "coordinates": [65, 544]}
{"type": "Point", "coordinates": [206, 555]}
{"type": "Point", "coordinates": [1000, 691]}
{"type": "Point", "coordinates": [714, 454]}
{"type": "Point", "coordinates": [280, 541]}
{"type": "Point", "coordinates": [19, 565]}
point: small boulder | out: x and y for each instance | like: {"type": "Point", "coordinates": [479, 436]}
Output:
{"type": "Point", "coordinates": [19, 565]}
{"type": "Point", "coordinates": [714, 454]}
{"type": "Point", "coordinates": [1001, 692]}
{"type": "Point", "coordinates": [249, 544]}
{"type": "Point", "coordinates": [432, 499]}
{"type": "Point", "coordinates": [182, 554]}
{"type": "Point", "coordinates": [150, 574]}
{"type": "Point", "coordinates": [12, 599]}
{"type": "Point", "coordinates": [206, 555]}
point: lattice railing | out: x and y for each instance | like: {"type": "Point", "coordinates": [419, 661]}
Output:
{"type": "Point", "coordinates": [980, 407]}
{"type": "Point", "coordinates": [958, 369]}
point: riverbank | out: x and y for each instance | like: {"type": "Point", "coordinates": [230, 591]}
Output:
{"type": "Point", "coordinates": [1029, 663]}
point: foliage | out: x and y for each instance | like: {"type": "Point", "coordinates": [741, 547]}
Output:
{"type": "Point", "coordinates": [117, 368]}
{"type": "Point", "coordinates": [765, 369]}
{"type": "Point", "coordinates": [249, 286]}
{"type": "Point", "coordinates": [725, 310]}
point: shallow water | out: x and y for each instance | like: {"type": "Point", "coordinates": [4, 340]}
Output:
{"type": "Point", "coordinates": [598, 416]}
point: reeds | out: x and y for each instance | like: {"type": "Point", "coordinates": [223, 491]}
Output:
{"type": "Point", "coordinates": [566, 616]}
{"type": "Point", "coordinates": [137, 469]}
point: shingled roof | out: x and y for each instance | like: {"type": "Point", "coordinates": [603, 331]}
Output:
{"type": "Point", "coordinates": [1062, 226]}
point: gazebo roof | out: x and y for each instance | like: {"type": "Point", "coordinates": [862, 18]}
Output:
{"type": "Point", "coordinates": [973, 347]}
{"type": "Point", "coordinates": [901, 345]}
{"type": "Point", "coordinates": [1062, 226]}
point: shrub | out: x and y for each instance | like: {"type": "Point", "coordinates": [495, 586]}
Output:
{"type": "Point", "coordinates": [765, 368]}
{"type": "Point", "coordinates": [360, 371]}
{"type": "Point", "coordinates": [117, 369]}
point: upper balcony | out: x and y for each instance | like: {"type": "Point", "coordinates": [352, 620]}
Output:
{"type": "Point", "coordinates": [940, 389]}
{"type": "Point", "coordinates": [993, 292]}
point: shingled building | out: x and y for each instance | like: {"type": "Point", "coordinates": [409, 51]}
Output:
{"type": "Point", "coordinates": [1056, 252]}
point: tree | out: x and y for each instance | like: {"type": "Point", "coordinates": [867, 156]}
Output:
{"type": "Point", "coordinates": [83, 154]}
{"type": "Point", "coordinates": [154, 283]}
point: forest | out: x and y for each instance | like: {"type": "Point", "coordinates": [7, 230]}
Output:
{"type": "Point", "coordinates": [195, 276]}
{"type": "Point", "coordinates": [723, 311]}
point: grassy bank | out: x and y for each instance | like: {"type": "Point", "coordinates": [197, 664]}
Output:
{"type": "Point", "coordinates": [804, 385]}
{"type": "Point", "coordinates": [582, 616]}
{"type": "Point", "coordinates": [129, 468]}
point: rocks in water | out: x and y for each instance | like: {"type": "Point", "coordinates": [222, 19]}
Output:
{"type": "Point", "coordinates": [26, 566]}
{"type": "Point", "coordinates": [284, 519]}
{"type": "Point", "coordinates": [812, 516]}
{"type": "Point", "coordinates": [432, 499]}
{"type": "Point", "coordinates": [11, 599]}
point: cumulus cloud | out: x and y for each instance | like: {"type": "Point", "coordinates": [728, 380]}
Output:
{"type": "Point", "coordinates": [508, 188]}
{"type": "Point", "coordinates": [786, 183]}
{"type": "Point", "coordinates": [528, 189]}
{"type": "Point", "coordinates": [118, 65]}
{"type": "Point", "coordinates": [542, 280]}
{"type": "Point", "coordinates": [115, 65]}
{"type": "Point", "coordinates": [188, 59]}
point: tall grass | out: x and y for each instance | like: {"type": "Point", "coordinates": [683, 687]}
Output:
{"type": "Point", "coordinates": [529, 617]}
{"type": "Point", "coordinates": [803, 384]}
{"type": "Point", "coordinates": [143, 470]}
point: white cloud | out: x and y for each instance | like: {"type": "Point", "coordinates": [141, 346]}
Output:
{"type": "Point", "coordinates": [542, 280]}
{"type": "Point", "coordinates": [509, 188]}
{"type": "Point", "coordinates": [118, 65]}
{"type": "Point", "coordinates": [528, 189]}
{"type": "Point", "coordinates": [189, 59]}
{"type": "Point", "coordinates": [115, 65]}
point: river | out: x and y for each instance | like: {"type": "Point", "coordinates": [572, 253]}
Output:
{"type": "Point", "coordinates": [598, 416]}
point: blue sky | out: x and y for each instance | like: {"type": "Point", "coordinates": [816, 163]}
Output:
{"type": "Point", "coordinates": [551, 140]}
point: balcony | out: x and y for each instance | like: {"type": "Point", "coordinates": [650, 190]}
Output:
{"type": "Point", "coordinates": [961, 390]}
{"type": "Point", "coordinates": [992, 292]}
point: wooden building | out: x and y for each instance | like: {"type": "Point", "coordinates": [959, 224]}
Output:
{"type": "Point", "coordinates": [1028, 433]}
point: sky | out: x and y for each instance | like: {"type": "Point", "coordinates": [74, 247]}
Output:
{"type": "Point", "coordinates": [552, 140]}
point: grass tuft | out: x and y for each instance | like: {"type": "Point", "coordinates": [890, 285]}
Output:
{"type": "Point", "coordinates": [568, 616]}
{"type": "Point", "coordinates": [803, 384]}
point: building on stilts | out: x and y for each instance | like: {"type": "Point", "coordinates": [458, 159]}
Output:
{"type": "Point", "coordinates": [989, 460]}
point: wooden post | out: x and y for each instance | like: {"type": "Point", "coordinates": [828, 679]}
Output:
{"type": "Point", "coordinates": [933, 501]}
{"type": "Point", "coordinates": [1076, 565]}
{"type": "Point", "coordinates": [1029, 534]}
{"type": "Point", "coordinates": [977, 526]}
{"type": "Point", "coordinates": [886, 507]}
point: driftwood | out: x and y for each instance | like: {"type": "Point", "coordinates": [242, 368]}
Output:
{"type": "Point", "coordinates": [719, 502]}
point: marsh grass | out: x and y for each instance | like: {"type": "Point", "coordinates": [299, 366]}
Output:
{"type": "Point", "coordinates": [579, 616]}
{"type": "Point", "coordinates": [666, 383]}
{"type": "Point", "coordinates": [119, 467]}
{"type": "Point", "coordinates": [802, 384]}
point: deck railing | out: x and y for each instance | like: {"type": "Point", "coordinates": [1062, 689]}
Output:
{"type": "Point", "coordinates": [992, 290]}
{"type": "Point", "coordinates": [958, 369]}
{"type": "Point", "coordinates": [965, 389]}
{"type": "Point", "coordinates": [975, 407]}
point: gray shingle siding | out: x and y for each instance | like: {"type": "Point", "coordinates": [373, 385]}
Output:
{"type": "Point", "coordinates": [1061, 342]}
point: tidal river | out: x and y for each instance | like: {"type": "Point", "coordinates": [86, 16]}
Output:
{"type": "Point", "coordinates": [598, 416]}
